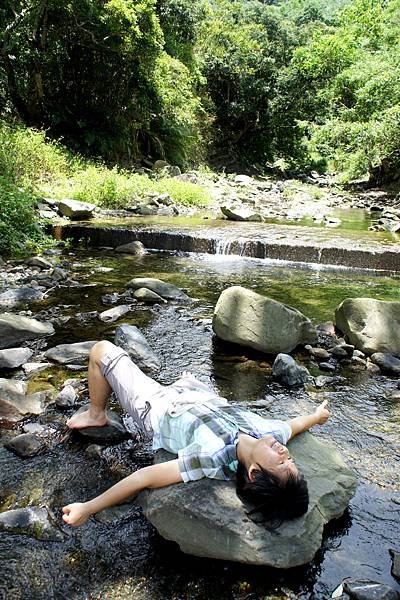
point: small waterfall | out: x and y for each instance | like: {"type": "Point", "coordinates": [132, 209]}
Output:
{"type": "Point", "coordinates": [222, 246]}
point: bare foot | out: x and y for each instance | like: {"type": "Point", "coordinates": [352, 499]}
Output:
{"type": "Point", "coordinates": [84, 419]}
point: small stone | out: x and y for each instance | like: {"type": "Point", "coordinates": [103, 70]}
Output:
{"type": "Point", "coordinates": [66, 398]}
{"type": "Point", "coordinates": [26, 445]}
{"type": "Point", "coordinates": [288, 371]}
{"type": "Point", "coordinates": [94, 451]}
{"type": "Point", "coordinates": [113, 314]}
{"type": "Point", "coordinates": [320, 353]}
{"type": "Point", "coordinates": [327, 366]}
{"type": "Point", "coordinates": [33, 428]}
{"type": "Point", "coordinates": [339, 352]}
{"type": "Point", "coordinates": [358, 353]}
{"type": "Point", "coordinates": [34, 367]}
{"type": "Point", "coordinates": [110, 298]}
{"type": "Point", "coordinates": [369, 590]}
{"type": "Point", "coordinates": [324, 381]}
{"type": "Point", "coordinates": [146, 295]}
{"type": "Point", "coordinates": [136, 248]}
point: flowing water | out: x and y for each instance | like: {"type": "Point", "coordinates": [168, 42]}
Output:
{"type": "Point", "coordinates": [121, 556]}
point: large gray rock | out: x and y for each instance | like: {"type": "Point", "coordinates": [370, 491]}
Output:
{"type": "Point", "coordinates": [21, 295]}
{"type": "Point", "coordinates": [14, 357]}
{"type": "Point", "coordinates": [64, 354]}
{"type": "Point", "coordinates": [75, 210]}
{"type": "Point", "coordinates": [244, 317]}
{"type": "Point", "coordinates": [207, 519]}
{"type": "Point", "coordinates": [135, 344]}
{"type": "Point", "coordinates": [15, 329]}
{"type": "Point", "coordinates": [288, 371]}
{"type": "Point", "coordinates": [32, 521]}
{"type": "Point", "coordinates": [370, 325]}
{"type": "Point", "coordinates": [162, 288]}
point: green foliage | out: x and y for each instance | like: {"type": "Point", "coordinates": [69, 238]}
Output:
{"type": "Point", "coordinates": [18, 230]}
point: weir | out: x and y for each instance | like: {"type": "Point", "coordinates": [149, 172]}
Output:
{"type": "Point", "coordinates": [358, 250]}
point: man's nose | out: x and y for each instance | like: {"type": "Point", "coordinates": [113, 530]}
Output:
{"type": "Point", "coordinates": [282, 449]}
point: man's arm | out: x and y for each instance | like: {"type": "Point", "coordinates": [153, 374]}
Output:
{"type": "Point", "coordinates": [155, 476]}
{"type": "Point", "coordinates": [303, 423]}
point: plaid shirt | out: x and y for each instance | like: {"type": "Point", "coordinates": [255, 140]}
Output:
{"type": "Point", "coordinates": [205, 437]}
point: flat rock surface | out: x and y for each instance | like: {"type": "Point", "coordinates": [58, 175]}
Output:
{"type": "Point", "coordinates": [206, 518]}
{"type": "Point", "coordinates": [15, 329]}
{"type": "Point", "coordinates": [70, 353]}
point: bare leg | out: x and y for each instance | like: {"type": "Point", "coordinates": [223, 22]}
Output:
{"type": "Point", "coordinates": [99, 391]}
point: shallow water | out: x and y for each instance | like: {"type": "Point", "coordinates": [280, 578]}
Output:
{"type": "Point", "coordinates": [125, 557]}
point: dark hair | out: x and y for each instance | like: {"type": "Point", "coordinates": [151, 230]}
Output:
{"type": "Point", "coordinates": [272, 498]}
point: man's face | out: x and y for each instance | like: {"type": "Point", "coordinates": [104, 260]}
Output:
{"type": "Point", "coordinates": [273, 456]}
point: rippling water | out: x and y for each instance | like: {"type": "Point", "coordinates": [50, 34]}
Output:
{"type": "Point", "coordinates": [125, 557]}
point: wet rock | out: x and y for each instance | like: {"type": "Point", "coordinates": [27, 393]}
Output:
{"type": "Point", "coordinates": [93, 451]}
{"type": "Point", "coordinates": [215, 525]}
{"type": "Point", "coordinates": [135, 344]}
{"type": "Point", "coordinates": [326, 381]}
{"type": "Point", "coordinates": [244, 317]}
{"type": "Point", "coordinates": [64, 354]}
{"type": "Point", "coordinates": [162, 288]}
{"type": "Point", "coordinates": [112, 433]}
{"type": "Point", "coordinates": [395, 563]}
{"type": "Point", "coordinates": [113, 314]}
{"type": "Point", "coordinates": [286, 369]}
{"type": "Point", "coordinates": [110, 298]}
{"type": "Point", "coordinates": [386, 362]}
{"type": "Point", "coordinates": [26, 445]}
{"type": "Point", "coordinates": [369, 590]}
{"type": "Point", "coordinates": [86, 316]}
{"type": "Point", "coordinates": [114, 514]}
{"type": "Point", "coordinates": [358, 353]}
{"type": "Point", "coordinates": [32, 521]}
{"type": "Point", "coordinates": [136, 248]}
{"type": "Point", "coordinates": [40, 262]}
{"type": "Point", "coordinates": [67, 397]}
{"type": "Point", "coordinates": [15, 329]}
{"type": "Point", "coordinates": [327, 366]}
{"type": "Point", "coordinates": [14, 297]}
{"type": "Point", "coordinates": [146, 295]}
{"type": "Point", "coordinates": [370, 325]}
{"type": "Point", "coordinates": [360, 362]}
{"type": "Point", "coordinates": [59, 274]}
{"type": "Point", "coordinates": [372, 368]}
{"type": "Point", "coordinates": [34, 428]}
{"type": "Point", "coordinates": [241, 214]}
{"type": "Point", "coordinates": [14, 357]}
{"type": "Point", "coordinates": [75, 210]}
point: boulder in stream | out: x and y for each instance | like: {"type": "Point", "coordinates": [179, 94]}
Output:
{"type": "Point", "coordinates": [136, 248]}
{"type": "Point", "coordinates": [26, 445]}
{"type": "Point", "coordinates": [162, 288]}
{"type": "Point", "coordinates": [132, 340]}
{"type": "Point", "coordinates": [12, 358]}
{"type": "Point", "coordinates": [75, 210]}
{"type": "Point", "coordinates": [76, 353]}
{"type": "Point", "coordinates": [33, 521]}
{"type": "Point", "coordinates": [206, 518]}
{"type": "Point", "coordinates": [15, 329]}
{"type": "Point", "coordinates": [370, 325]}
{"type": "Point", "coordinates": [244, 317]}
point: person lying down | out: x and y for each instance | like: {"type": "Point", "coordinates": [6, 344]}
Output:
{"type": "Point", "coordinates": [210, 437]}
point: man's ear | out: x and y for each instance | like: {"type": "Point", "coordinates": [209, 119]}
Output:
{"type": "Point", "coordinates": [251, 472]}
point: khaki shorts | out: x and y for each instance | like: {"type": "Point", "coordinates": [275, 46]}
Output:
{"type": "Point", "coordinates": [137, 393]}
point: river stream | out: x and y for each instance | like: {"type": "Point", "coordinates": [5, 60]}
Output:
{"type": "Point", "coordinates": [119, 555]}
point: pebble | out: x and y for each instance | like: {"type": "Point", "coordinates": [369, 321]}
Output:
{"type": "Point", "coordinates": [326, 366]}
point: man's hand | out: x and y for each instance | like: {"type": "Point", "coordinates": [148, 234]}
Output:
{"type": "Point", "coordinates": [321, 413]}
{"type": "Point", "coordinates": [76, 514]}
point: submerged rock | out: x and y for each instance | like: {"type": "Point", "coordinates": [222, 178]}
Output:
{"type": "Point", "coordinates": [162, 288]}
{"type": "Point", "coordinates": [14, 357]}
{"type": "Point", "coordinates": [15, 329]}
{"type": "Point", "coordinates": [288, 371]}
{"type": "Point", "coordinates": [132, 340]}
{"type": "Point", "coordinates": [370, 325]}
{"type": "Point", "coordinates": [77, 353]}
{"type": "Point", "coordinates": [26, 445]}
{"type": "Point", "coordinates": [364, 589]}
{"type": "Point", "coordinates": [112, 433]}
{"type": "Point", "coordinates": [32, 521]}
{"type": "Point", "coordinates": [206, 518]}
{"type": "Point", "coordinates": [244, 317]}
